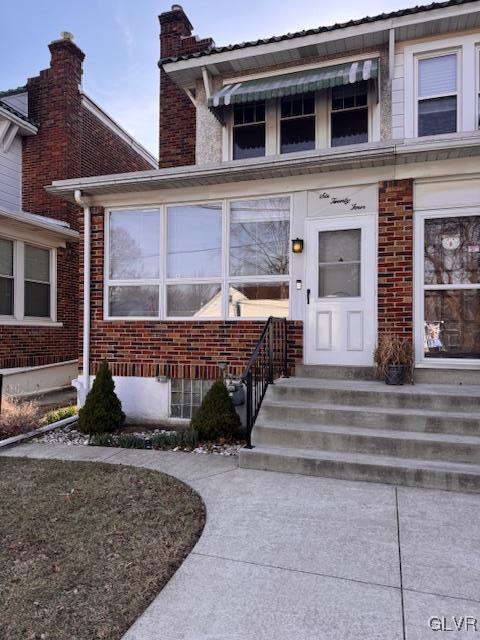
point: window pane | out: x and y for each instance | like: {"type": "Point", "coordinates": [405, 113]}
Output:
{"type": "Point", "coordinates": [245, 113]}
{"type": "Point", "coordinates": [259, 237]}
{"type": "Point", "coordinates": [134, 245]}
{"type": "Point", "coordinates": [186, 404]}
{"type": "Point", "coordinates": [349, 96]}
{"type": "Point", "coordinates": [194, 300]}
{"type": "Point", "coordinates": [37, 264]}
{"type": "Point", "coordinates": [339, 246]}
{"type": "Point", "coordinates": [339, 281]}
{"type": "Point", "coordinates": [6, 257]}
{"type": "Point", "coordinates": [136, 301]}
{"type": "Point", "coordinates": [437, 75]}
{"type": "Point", "coordinates": [6, 296]}
{"type": "Point", "coordinates": [258, 299]}
{"type": "Point", "coordinates": [452, 250]}
{"type": "Point", "coordinates": [452, 324]}
{"type": "Point", "coordinates": [297, 134]}
{"type": "Point", "coordinates": [438, 115]}
{"type": "Point", "coordinates": [37, 299]}
{"type": "Point", "coordinates": [194, 246]}
{"type": "Point", "coordinates": [249, 141]}
{"type": "Point", "coordinates": [349, 127]}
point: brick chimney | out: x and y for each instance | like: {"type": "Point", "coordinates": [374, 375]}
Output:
{"type": "Point", "coordinates": [54, 103]}
{"type": "Point", "coordinates": [177, 113]}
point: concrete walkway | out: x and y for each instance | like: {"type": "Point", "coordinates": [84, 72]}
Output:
{"type": "Point", "coordinates": [288, 557]}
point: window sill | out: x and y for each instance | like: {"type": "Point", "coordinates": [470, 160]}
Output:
{"type": "Point", "coordinates": [29, 323]}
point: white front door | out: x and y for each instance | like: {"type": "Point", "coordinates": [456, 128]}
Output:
{"type": "Point", "coordinates": [341, 290]}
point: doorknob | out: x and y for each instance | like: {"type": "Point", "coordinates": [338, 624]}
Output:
{"type": "Point", "coordinates": [308, 296]}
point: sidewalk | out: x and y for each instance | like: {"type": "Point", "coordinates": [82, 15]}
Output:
{"type": "Point", "coordinates": [288, 557]}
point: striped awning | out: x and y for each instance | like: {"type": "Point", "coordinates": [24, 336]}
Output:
{"type": "Point", "coordinates": [295, 83]}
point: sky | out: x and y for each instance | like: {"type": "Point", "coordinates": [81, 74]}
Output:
{"type": "Point", "coordinates": [120, 41]}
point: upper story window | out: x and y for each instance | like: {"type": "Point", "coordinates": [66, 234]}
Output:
{"type": "Point", "coordinates": [437, 94]}
{"type": "Point", "coordinates": [349, 115]}
{"type": "Point", "coordinates": [249, 130]}
{"type": "Point", "coordinates": [297, 123]}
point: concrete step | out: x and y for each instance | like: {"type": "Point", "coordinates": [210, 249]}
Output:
{"type": "Point", "coordinates": [370, 468]}
{"type": "Point", "coordinates": [464, 398]}
{"type": "Point", "coordinates": [334, 372]}
{"type": "Point", "coordinates": [402, 444]}
{"type": "Point", "coordinates": [280, 412]}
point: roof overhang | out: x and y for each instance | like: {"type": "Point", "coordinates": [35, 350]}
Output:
{"type": "Point", "coordinates": [25, 127]}
{"type": "Point", "coordinates": [375, 154]}
{"type": "Point", "coordinates": [334, 40]}
{"type": "Point", "coordinates": [45, 228]}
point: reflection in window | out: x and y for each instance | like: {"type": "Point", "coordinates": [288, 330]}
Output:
{"type": "Point", "coordinates": [194, 300]}
{"type": "Point", "coordinates": [339, 266]}
{"type": "Point", "coordinates": [194, 241]}
{"type": "Point", "coordinates": [133, 301]}
{"type": "Point", "coordinates": [6, 277]}
{"type": "Point", "coordinates": [37, 282]}
{"type": "Point", "coordinates": [134, 245]}
{"type": "Point", "coordinates": [258, 299]}
{"type": "Point", "coordinates": [259, 237]}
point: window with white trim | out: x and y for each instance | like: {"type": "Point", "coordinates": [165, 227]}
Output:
{"type": "Point", "coordinates": [349, 114]}
{"type": "Point", "coordinates": [249, 130]}
{"type": "Point", "coordinates": [297, 123]}
{"type": "Point", "coordinates": [26, 281]}
{"type": "Point", "coordinates": [209, 261]}
{"type": "Point", "coordinates": [437, 94]}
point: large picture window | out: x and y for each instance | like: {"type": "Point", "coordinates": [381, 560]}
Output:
{"type": "Point", "coordinates": [437, 94]}
{"type": "Point", "coordinates": [452, 287]}
{"type": "Point", "coordinates": [207, 261]}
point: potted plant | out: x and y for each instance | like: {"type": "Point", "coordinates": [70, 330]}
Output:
{"type": "Point", "coordinates": [394, 359]}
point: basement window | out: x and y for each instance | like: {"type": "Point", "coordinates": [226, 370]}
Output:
{"type": "Point", "coordinates": [349, 116]}
{"type": "Point", "coordinates": [186, 396]}
{"type": "Point", "coordinates": [248, 130]}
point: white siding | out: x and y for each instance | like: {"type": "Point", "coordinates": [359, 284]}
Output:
{"type": "Point", "coordinates": [11, 176]}
{"type": "Point", "coordinates": [398, 97]}
{"type": "Point", "coordinates": [18, 101]}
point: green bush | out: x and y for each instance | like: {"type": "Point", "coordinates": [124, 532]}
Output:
{"type": "Point", "coordinates": [102, 411]}
{"type": "Point", "coordinates": [130, 441]}
{"type": "Point", "coordinates": [101, 440]}
{"type": "Point", "coordinates": [173, 439]}
{"type": "Point", "coordinates": [216, 416]}
{"type": "Point", "coordinates": [59, 414]}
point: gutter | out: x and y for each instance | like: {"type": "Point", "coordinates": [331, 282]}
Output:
{"type": "Point", "coordinates": [83, 387]}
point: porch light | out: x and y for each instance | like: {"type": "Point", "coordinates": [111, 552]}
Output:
{"type": "Point", "coordinates": [297, 245]}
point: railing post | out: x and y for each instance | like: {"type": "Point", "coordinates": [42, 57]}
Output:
{"type": "Point", "coordinates": [271, 354]}
{"type": "Point", "coordinates": [249, 416]}
{"type": "Point", "coordinates": [285, 348]}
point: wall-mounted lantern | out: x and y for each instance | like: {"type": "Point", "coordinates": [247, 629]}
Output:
{"type": "Point", "coordinates": [297, 245]}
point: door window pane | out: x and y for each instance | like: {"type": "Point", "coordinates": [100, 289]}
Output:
{"type": "Point", "coordinates": [134, 245]}
{"type": "Point", "coordinates": [37, 282]}
{"type": "Point", "coordinates": [339, 269]}
{"type": "Point", "coordinates": [135, 301]}
{"type": "Point", "coordinates": [258, 299]}
{"type": "Point", "coordinates": [452, 250]}
{"type": "Point", "coordinates": [259, 237]}
{"type": "Point", "coordinates": [194, 300]}
{"type": "Point", "coordinates": [194, 241]}
{"type": "Point", "coordinates": [437, 115]}
{"type": "Point", "coordinates": [452, 324]}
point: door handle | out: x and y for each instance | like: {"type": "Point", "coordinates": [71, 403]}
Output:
{"type": "Point", "coordinates": [308, 296]}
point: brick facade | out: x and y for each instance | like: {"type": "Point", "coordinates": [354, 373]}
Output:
{"type": "Point", "coordinates": [70, 142]}
{"type": "Point", "coordinates": [177, 113]}
{"type": "Point", "coordinates": [395, 258]}
{"type": "Point", "coordinates": [179, 349]}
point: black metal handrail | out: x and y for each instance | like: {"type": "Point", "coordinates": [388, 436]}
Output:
{"type": "Point", "coordinates": [269, 361]}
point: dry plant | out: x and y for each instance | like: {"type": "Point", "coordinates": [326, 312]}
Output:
{"type": "Point", "coordinates": [18, 416]}
{"type": "Point", "coordinates": [393, 350]}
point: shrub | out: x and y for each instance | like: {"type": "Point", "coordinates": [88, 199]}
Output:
{"type": "Point", "coordinates": [18, 416]}
{"type": "Point", "coordinates": [216, 416]}
{"type": "Point", "coordinates": [59, 414]}
{"type": "Point", "coordinates": [101, 440]}
{"type": "Point", "coordinates": [131, 441]}
{"type": "Point", "coordinates": [102, 411]}
{"type": "Point", "coordinates": [172, 439]}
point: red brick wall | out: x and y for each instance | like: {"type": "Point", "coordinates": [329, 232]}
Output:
{"type": "Point", "coordinates": [395, 258]}
{"type": "Point", "coordinates": [180, 349]}
{"type": "Point", "coordinates": [177, 113]}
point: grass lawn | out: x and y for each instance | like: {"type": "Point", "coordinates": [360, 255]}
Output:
{"type": "Point", "coordinates": [85, 547]}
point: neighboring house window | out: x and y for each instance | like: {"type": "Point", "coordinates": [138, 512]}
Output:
{"type": "Point", "coordinates": [248, 130]}
{"type": "Point", "coordinates": [194, 260]}
{"type": "Point", "coordinates": [214, 260]}
{"type": "Point", "coordinates": [26, 281]}
{"type": "Point", "coordinates": [6, 277]}
{"type": "Point", "coordinates": [259, 258]}
{"type": "Point", "coordinates": [437, 95]}
{"type": "Point", "coordinates": [297, 123]}
{"type": "Point", "coordinates": [134, 263]}
{"type": "Point", "coordinates": [186, 397]}
{"type": "Point", "coordinates": [349, 116]}
{"type": "Point", "coordinates": [37, 282]}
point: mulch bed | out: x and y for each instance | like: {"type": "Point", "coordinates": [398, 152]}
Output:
{"type": "Point", "coordinates": [85, 547]}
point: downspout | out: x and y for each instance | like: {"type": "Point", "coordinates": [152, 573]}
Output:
{"type": "Point", "coordinates": [84, 386]}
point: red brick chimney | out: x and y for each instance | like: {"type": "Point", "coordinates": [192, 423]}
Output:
{"type": "Point", "coordinates": [177, 113]}
{"type": "Point", "coordinates": [54, 103]}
